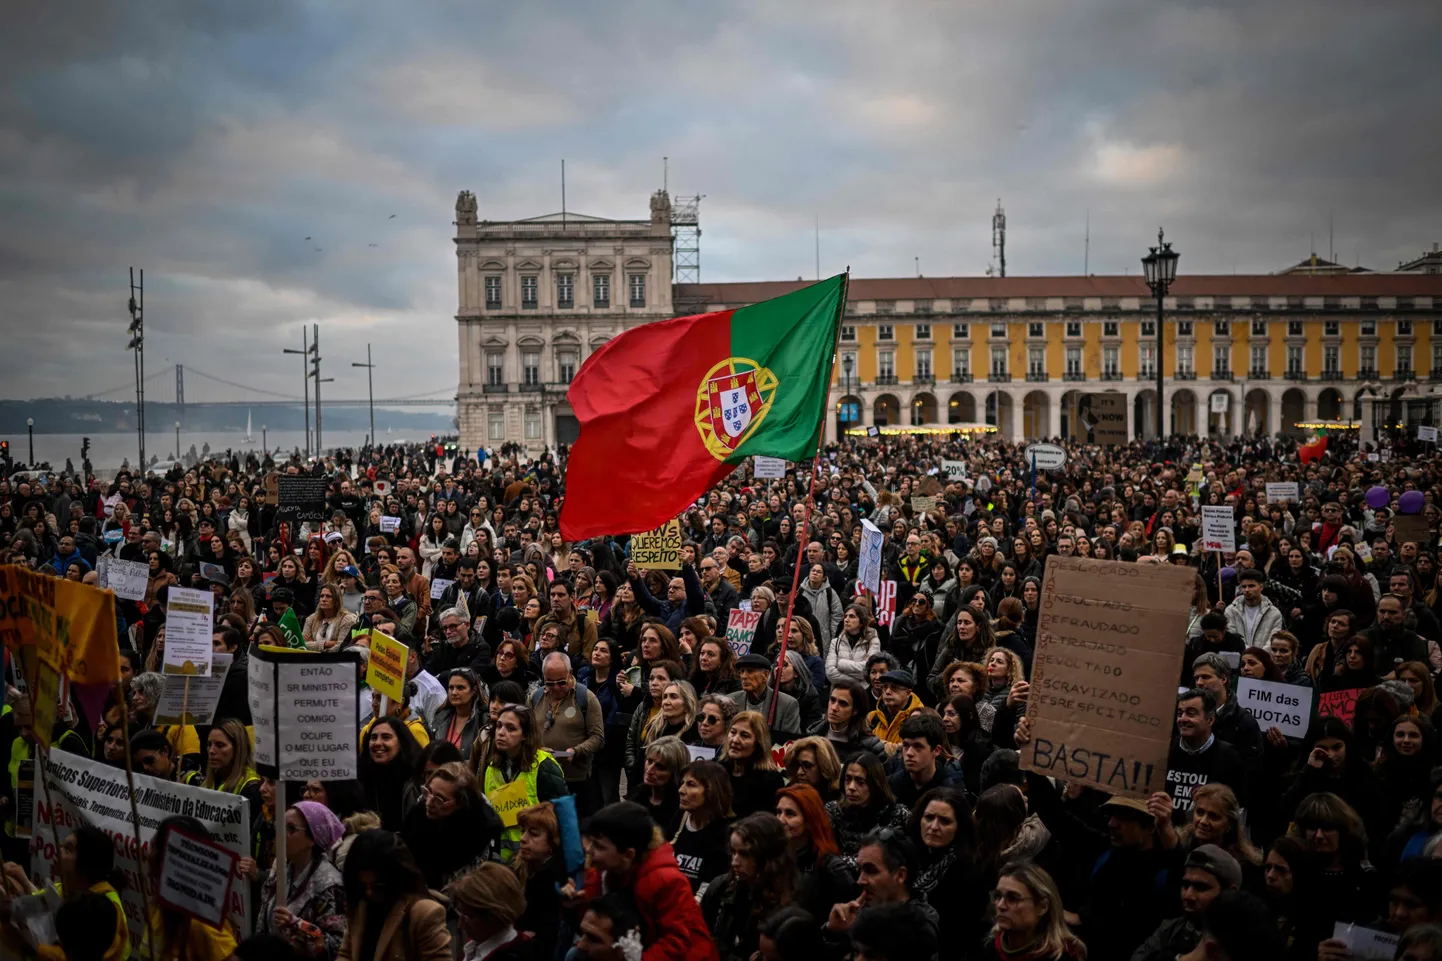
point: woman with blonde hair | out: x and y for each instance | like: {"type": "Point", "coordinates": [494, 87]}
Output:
{"type": "Point", "coordinates": [1030, 921]}
{"type": "Point", "coordinates": [812, 760]}
{"type": "Point", "coordinates": [329, 627]}
{"type": "Point", "coordinates": [658, 789]}
{"type": "Point", "coordinates": [677, 714]}
{"type": "Point", "coordinates": [755, 778]}
{"type": "Point", "coordinates": [1216, 818]}
{"type": "Point", "coordinates": [490, 902]}
{"type": "Point", "coordinates": [228, 765]}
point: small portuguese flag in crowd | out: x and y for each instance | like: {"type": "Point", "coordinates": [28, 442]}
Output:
{"type": "Point", "coordinates": [670, 408]}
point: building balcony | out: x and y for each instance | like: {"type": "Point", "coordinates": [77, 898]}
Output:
{"type": "Point", "coordinates": [1147, 374]}
{"type": "Point", "coordinates": [1073, 376]}
{"type": "Point", "coordinates": [495, 388]}
{"type": "Point", "coordinates": [1404, 373]}
{"type": "Point", "coordinates": [1259, 375]}
{"type": "Point", "coordinates": [558, 386]}
{"type": "Point", "coordinates": [1330, 376]}
{"type": "Point", "coordinates": [1185, 375]}
{"type": "Point", "coordinates": [1435, 374]}
{"type": "Point", "coordinates": [1036, 377]}
{"type": "Point", "coordinates": [1221, 375]}
{"type": "Point", "coordinates": [961, 377]}
{"type": "Point", "coordinates": [998, 377]}
{"type": "Point", "coordinates": [886, 380]}
{"type": "Point", "coordinates": [1367, 373]}
{"type": "Point", "coordinates": [928, 380]}
{"type": "Point", "coordinates": [1296, 375]}
{"type": "Point", "coordinates": [532, 388]}
{"type": "Point", "coordinates": [1112, 375]}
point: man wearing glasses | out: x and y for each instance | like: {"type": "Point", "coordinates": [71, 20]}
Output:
{"type": "Point", "coordinates": [573, 726]}
{"type": "Point", "coordinates": [578, 630]}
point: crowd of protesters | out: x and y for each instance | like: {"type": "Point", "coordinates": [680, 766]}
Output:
{"type": "Point", "coordinates": [861, 796]}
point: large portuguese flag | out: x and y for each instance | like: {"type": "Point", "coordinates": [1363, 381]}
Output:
{"type": "Point", "coordinates": [668, 409]}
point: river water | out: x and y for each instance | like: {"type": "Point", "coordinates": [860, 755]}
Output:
{"type": "Point", "coordinates": [108, 451]}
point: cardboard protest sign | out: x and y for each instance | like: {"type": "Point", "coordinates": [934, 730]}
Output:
{"type": "Point", "coordinates": [195, 876]}
{"type": "Point", "coordinates": [196, 706]}
{"type": "Point", "coordinates": [953, 470]}
{"type": "Point", "coordinates": [70, 625]}
{"type": "Point", "coordinates": [189, 627]}
{"type": "Point", "coordinates": [1425, 433]}
{"type": "Point", "coordinates": [1100, 419]}
{"type": "Point", "coordinates": [928, 486]}
{"type": "Point", "coordinates": [658, 550]}
{"type": "Point", "coordinates": [922, 505]}
{"type": "Point", "coordinates": [741, 631]}
{"type": "Point", "coordinates": [301, 497]}
{"type": "Point", "coordinates": [868, 571]}
{"type": "Point", "coordinates": [768, 468]}
{"type": "Point", "coordinates": [1109, 649]}
{"type": "Point", "coordinates": [1287, 707]}
{"type": "Point", "coordinates": [885, 603]}
{"type": "Point", "coordinates": [1219, 530]}
{"type": "Point", "coordinates": [1411, 527]}
{"type": "Point", "coordinates": [317, 714]}
{"type": "Point", "coordinates": [1365, 944]}
{"type": "Point", "coordinates": [82, 791]}
{"type": "Point", "coordinates": [438, 587]}
{"type": "Point", "coordinates": [386, 670]}
{"type": "Point", "coordinates": [1281, 492]}
{"type": "Point", "coordinates": [1340, 704]}
{"type": "Point", "coordinates": [389, 524]}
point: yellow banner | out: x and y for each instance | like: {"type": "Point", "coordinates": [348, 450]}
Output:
{"type": "Point", "coordinates": [70, 625]}
{"type": "Point", "coordinates": [386, 671]}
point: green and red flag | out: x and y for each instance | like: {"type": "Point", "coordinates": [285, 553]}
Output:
{"type": "Point", "coordinates": [668, 409]}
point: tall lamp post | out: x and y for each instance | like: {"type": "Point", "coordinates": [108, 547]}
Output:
{"type": "Point", "coordinates": [30, 427]}
{"type": "Point", "coordinates": [177, 440]}
{"type": "Point", "coordinates": [264, 447]}
{"type": "Point", "coordinates": [1160, 266]}
{"type": "Point", "coordinates": [846, 419]}
{"type": "Point", "coordinates": [304, 381]}
{"type": "Point", "coordinates": [370, 390]}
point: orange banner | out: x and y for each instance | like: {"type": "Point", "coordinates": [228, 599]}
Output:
{"type": "Point", "coordinates": [70, 625]}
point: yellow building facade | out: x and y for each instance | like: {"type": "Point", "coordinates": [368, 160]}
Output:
{"type": "Point", "coordinates": [1256, 353]}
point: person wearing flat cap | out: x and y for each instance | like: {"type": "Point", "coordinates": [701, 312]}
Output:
{"type": "Point", "coordinates": [1208, 872]}
{"type": "Point", "coordinates": [756, 694]}
{"type": "Point", "coordinates": [898, 700]}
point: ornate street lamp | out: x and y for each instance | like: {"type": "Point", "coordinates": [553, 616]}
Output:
{"type": "Point", "coordinates": [1160, 267]}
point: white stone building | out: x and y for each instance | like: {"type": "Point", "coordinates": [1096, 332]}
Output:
{"type": "Point", "coordinates": [535, 298]}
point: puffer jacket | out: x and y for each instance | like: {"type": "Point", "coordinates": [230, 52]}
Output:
{"type": "Point", "coordinates": [825, 605]}
{"type": "Point", "coordinates": [847, 658]}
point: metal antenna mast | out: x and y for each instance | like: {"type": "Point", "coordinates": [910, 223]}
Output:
{"type": "Point", "coordinates": [137, 344]}
{"type": "Point", "coordinates": [686, 233]}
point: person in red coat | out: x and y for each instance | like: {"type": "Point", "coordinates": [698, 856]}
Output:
{"type": "Point", "coordinates": [629, 855]}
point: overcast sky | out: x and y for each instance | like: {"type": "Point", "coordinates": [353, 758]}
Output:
{"type": "Point", "coordinates": [206, 146]}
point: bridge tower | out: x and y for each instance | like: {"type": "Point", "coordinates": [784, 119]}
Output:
{"type": "Point", "coordinates": [180, 388]}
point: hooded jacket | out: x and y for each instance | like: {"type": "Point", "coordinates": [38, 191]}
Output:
{"type": "Point", "coordinates": [674, 928]}
{"type": "Point", "coordinates": [1269, 621]}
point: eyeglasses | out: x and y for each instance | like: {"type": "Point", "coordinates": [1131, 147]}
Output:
{"type": "Point", "coordinates": [710, 719]}
{"type": "Point", "coordinates": [561, 683]}
{"type": "Point", "coordinates": [1009, 897]}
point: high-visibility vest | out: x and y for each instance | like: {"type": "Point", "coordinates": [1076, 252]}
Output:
{"type": "Point", "coordinates": [510, 798]}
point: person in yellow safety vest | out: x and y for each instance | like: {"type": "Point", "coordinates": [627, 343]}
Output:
{"type": "Point", "coordinates": [171, 935]}
{"type": "Point", "coordinates": [400, 709]}
{"type": "Point", "coordinates": [87, 863]}
{"type": "Point", "coordinates": [228, 766]}
{"type": "Point", "coordinates": [21, 751]}
{"type": "Point", "coordinates": [516, 773]}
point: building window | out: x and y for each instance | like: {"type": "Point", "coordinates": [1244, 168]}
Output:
{"type": "Point", "coordinates": [531, 367]}
{"type": "Point", "coordinates": [1111, 362]}
{"type": "Point", "coordinates": [961, 331]}
{"type": "Point", "coordinates": [886, 306]}
{"type": "Point", "coordinates": [1073, 328]}
{"type": "Point", "coordinates": [1259, 328]}
{"type": "Point", "coordinates": [1294, 328]}
{"type": "Point", "coordinates": [601, 290]}
{"type": "Point", "coordinates": [1259, 359]}
{"type": "Point", "coordinates": [998, 361]}
{"type": "Point", "coordinates": [1184, 328]}
{"type": "Point", "coordinates": [885, 332]}
{"type": "Point", "coordinates": [1149, 328]}
{"type": "Point", "coordinates": [960, 363]}
{"type": "Point", "coordinates": [528, 292]}
{"type": "Point", "coordinates": [1221, 359]}
{"type": "Point", "coordinates": [496, 426]}
{"type": "Point", "coordinates": [848, 333]}
{"type": "Point", "coordinates": [923, 363]}
{"type": "Point", "coordinates": [1331, 355]}
{"type": "Point", "coordinates": [1294, 359]}
{"type": "Point", "coordinates": [1404, 328]}
{"type": "Point", "coordinates": [566, 365]}
{"type": "Point", "coordinates": [1222, 328]}
{"type": "Point", "coordinates": [533, 425]}
{"type": "Point", "coordinates": [921, 307]}
{"type": "Point", "coordinates": [638, 290]}
{"type": "Point", "coordinates": [1073, 361]}
{"type": "Point", "coordinates": [493, 293]}
{"type": "Point", "coordinates": [1147, 357]}
{"type": "Point", "coordinates": [1185, 363]}
{"type": "Point", "coordinates": [1437, 328]}
{"type": "Point", "coordinates": [1036, 362]}
{"type": "Point", "coordinates": [495, 368]}
{"type": "Point", "coordinates": [998, 328]}
{"type": "Point", "coordinates": [1110, 328]}
{"type": "Point", "coordinates": [1436, 360]}
{"type": "Point", "coordinates": [1367, 357]}
{"type": "Point", "coordinates": [923, 331]}
{"type": "Point", "coordinates": [1369, 328]}
{"type": "Point", "coordinates": [1404, 358]}
{"type": "Point", "coordinates": [885, 364]}
{"type": "Point", "coordinates": [1331, 328]}
{"type": "Point", "coordinates": [1036, 328]}
{"type": "Point", "coordinates": [565, 291]}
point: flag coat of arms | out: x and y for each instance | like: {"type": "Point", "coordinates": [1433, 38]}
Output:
{"type": "Point", "coordinates": [670, 408]}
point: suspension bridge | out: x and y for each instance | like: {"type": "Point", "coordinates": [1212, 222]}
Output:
{"type": "Point", "coordinates": [220, 392]}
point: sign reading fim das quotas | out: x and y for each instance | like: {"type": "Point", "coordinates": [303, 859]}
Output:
{"type": "Point", "coordinates": [1104, 679]}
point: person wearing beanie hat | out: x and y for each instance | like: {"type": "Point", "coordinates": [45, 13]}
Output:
{"type": "Point", "coordinates": [312, 915]}
{"type": "Point", "coordinates": [490, 900]}
{"type": "Point", "coordinates": [1209, 871]}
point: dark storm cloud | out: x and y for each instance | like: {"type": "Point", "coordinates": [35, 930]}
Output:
{"type": "Point", "coordinates": [206, 142]}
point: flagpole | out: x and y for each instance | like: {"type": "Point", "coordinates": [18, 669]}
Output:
{"type": "Point", "coordinates": [810, 499]}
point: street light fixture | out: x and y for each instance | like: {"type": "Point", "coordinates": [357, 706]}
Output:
{"type": "Point", "coordinates": [264, 447]}
{"type": "Point", "coordinates": [1160, 267]}
{"type": "Point", "coordinates": [304, 380]}
{"type": "Point", "coordinates": [30, 427]}
{"type": "Point", "coordinates": [846, 365]}
{"type": "Point", "coordinates": [177, 440]}
{"type": "Point", "coordinates": [370, 390]}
